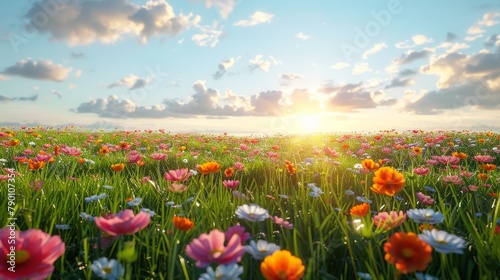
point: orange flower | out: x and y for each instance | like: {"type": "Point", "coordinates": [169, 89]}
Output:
{"type": "Point", "coordinates": [282, 265]}
{"type": "Point", "coordinates": [416, 150]}
{"type": "Point", "coordinates": [369, 164]}
{"type": "Point", "coordinates": [103, 150]}
{"type": "Point", "coordinates": [423, 227]}
{"type": "Point", "coordinates": [229, 172]}
{"type": "Point", "coordinates": [209, 167]}
{"type": "Point", "coordinates": [459, 155]}
{"type": "Point", "coordinates": [407, 252]}
{"type": "Point", "coordinates": [81, 160]}
{"type": "Point", "coordinates": [481, 140]}
{"type": "Point", "coordinates": [289, 167]}
{"type": "Point", "coordinates": [118, 167]}
{"type": "Point", "coordinates": [482, 176]}
{"type": "Point", "coordinates": [488, 167]}
{"type": "Point", "coordinates": [35, 165]}
{"type": "Point", "coordinates": [14, 142]}
{"type": "Point", "coordinates": [56, 150]}
{"type": "Point", "coordinates": [388, 181]}
{"type": "Point", "coordinates": [182, 223]}
{"type": "Point", "coordinates": [360, 210]}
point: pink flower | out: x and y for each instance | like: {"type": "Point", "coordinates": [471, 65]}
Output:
{"type": "Point", "coordinates": [455, 180]}
{"type": "Point", "coordinates": [451, 160]}
{"type": "Point", "coordinates": [4, 177]}
{"type": "Point", "coordinates": [209, 248]}
{"type": "Point", "coordinates": [237, 230]}
{"type": "Point", "coordinates": [158, 156]}
{"type": "Point", "coordinates": [424, 199]}
{"type": "Point", "coordinates": [33, 256]}
{"type": "Point", "coordinates": [239, 166]}
{"type": "Point", "coordinates": [123, 223]}
{"type": "Point", "coordinates": [281, 222]}
{"type": "Point", "coordinates": [36, 185]}
{"type": "Point", "coordinates": [331, 152]}
{"type": "Point", "coordinates": [43, 157]}
{"type": "Point", "coordinates": [389, 220]}
{"type": "Point", "coordinates": [134, 157]}
{"type": "Point", "coordinates": [71, 151]}
{"type": "Point", "coordinates": [179, 175]}
{"type": "Point", "coordinates": [231, 184]}
{"type": "Point", "coordinates": [421, 170]}
{"type": "Point", "coordinates": [470, 188]}
{"type": "Point", "coordinates": [177, 188]}
{"type": "Point", "coordinates": [483, 158]}
{"type": "Point", "coordinates": [238, 195]}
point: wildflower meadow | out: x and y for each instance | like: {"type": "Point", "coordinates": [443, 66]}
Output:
{"type": "Point", "coordinates": [92, 204]}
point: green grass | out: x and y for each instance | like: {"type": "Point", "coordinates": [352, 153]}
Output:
{"type": "Point", "coordinates": [323, 235]}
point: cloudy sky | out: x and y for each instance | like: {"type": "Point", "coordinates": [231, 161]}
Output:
{"type": "Point", "coordinates": [251, 66]}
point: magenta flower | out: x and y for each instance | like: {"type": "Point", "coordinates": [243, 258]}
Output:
{"type": "Point", "coordinates": [179, 175]}
{"type": "Point", "coordinates": [237, 230]}
{"type": "Point", "coordinates": [123, 223]}
{"type": "Point", "coordinates": [231, 184]}
{"type": "Point", "coordinates": [421, 170]}
{"type": "Point", "coordinates": [43, 157]}
{"type": "Point", "coordinates": [71, 151]}
{"type": "Point", "coordinates": [158, 156]}
{"type": "Point", "coordinates": [134, 157]}
{"type": "Point", "coordinates": [424, 199]}
{"type": "Point", "coordinates": [33, 256]}
{"type": "Point", "coordinates": [387, 221]}
{"type": "Point", "coordinates": [210, 248]}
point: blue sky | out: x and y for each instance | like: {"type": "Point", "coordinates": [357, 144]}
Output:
{"type": "Point", "coordinates": [244, 66]}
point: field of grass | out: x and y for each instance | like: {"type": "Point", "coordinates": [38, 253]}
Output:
{"type": "Point", "coordinates": [75, 186]}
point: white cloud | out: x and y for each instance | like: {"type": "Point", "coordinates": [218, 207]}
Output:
{"type": "Point", "coordinates": [302, 36]}
{"type": "Point", "coordinates": [457, 46]}
{"type": "Point", "coordinates": [78, 73]}
{"type": "Point", "coordinates": [223, 66]}
{"type": "Point", "coordinates": [224, 7]}
{"type": "Point", "coordinates": [340, 65]}
{"type": "Point", "coordinates": [40, 70]}
{"type": "Point", "coordinates": [256, 18]}
{"type": "Point", "coordinates": [259, 62]}
{"type": "Point", "coordinates": [131, 82]}
{"type": "Point", "coordinates": [489, 19]}
{"type": "Point", "coordinates": [360, 68]}
{"type": "Point", "coordinates": [209, 37]}
{"type": "Point", "coordinates": [82, 22]}
{"type": "Point", "coordinates": [421, 39]}
{"type": "Point", "coordinates": [404, 45]}
{"type": "Point", "coordinates": [375, 49]}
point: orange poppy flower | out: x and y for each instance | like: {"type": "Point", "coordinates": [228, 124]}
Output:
{"type": "Point", "coordinates": [481, 140]}
{"type": "Point", "coordinates": [103, 150]}
{"type": "Point", "coordinates": [14, 142]}
{"type": "Point", "coordinates": [289, 167]}
{"type": "Point", "coordinates": [118, 167]}
{"type": "Point", "coordinates": [35, 165]}
{"type": "Point", "coordinates": [417, 150]}
{"type": "Point", "coordinates": [56, 150]}
{"type": "Point", "coordinates": [229, 172]}
{"type": "Point", "coordinates": [459, 155]}
{"type": "Point", "coordinates": [369, 164]}
{"type": "Point", "coordinates": [282, 265]}
{"type": "Point", "coordinates": [407, 252]}
{"type": "Point", "coordinates": [482, 176]}
{"type": "Point", "coordinates": [209, 167]}
{"type": "Point", "coordinates": [182, 223]}
{"type": "Point", "coordinates": [81, 160]}
{"type": "Point", "coordinates": [488, 167]}
{"type": "Point", "coordinates": [388, 181]}
{"type": "Point", "coordinates": [360, 210]}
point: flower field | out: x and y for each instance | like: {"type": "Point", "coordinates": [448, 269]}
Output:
{"type": "Point", "coordinates": [79, 204]}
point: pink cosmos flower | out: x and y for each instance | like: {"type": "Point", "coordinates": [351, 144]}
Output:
{"type": "Point", "coordinates": [387, 221]}
{"type": "Point", "coordinates": [421, 170]}
{"type": "Point", "coordinates": [34, 254]}
{"type": "Point", "coordinates": [134, 157]}
{"type": "Point", "coordinates": [158, 156]}
{"type": "Point", "coordinates": [123, 223]}
{"type": "Point", "coordinates": [454, 179]}
{"type": "Point", "coordinates": [331, 152]}
{"type": "Point", "coordinates": [281, 222]}
{"type": "Point", "coordinates": [71, 151]}
{"type": "Point", "coordinates": [483, 158]}
{"type": "Point", "coordinates": [239, 166]}
{"type": "Point", "coordinates": [28, 152]}
{"type": "Point", "coordinates": [424, 199]}
{"type": "Point", "coordinates": [470, 188]}
{"type": "Point", "coordinates": [237, 230]}
{"type": "Point", "coordinates": [179, 175]}
{"type": "Point", "coordinates": [177, 188]}
{"type": "Point", "coordinates": [451, 160]}
{"type": "Point", "coordinates": [43, 157]}
{"type": "Point", "coordinates": [231, 184]}
{"type": "Point", "coordinates": [210, 248]}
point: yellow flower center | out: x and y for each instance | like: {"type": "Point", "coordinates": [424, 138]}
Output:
{"type": "Point", "coordinates": [22, 256]}
{"type": "Point", "coordinates": [407, 253]}
{"type": "Point", "coordinates": [107, 270]}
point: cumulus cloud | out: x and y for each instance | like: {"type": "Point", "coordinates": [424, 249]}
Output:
{"type": "Point", "coordinates": [375, 49]}
{"type": "Point", "coordinates": [340, 65]}
{"type": "Point", "coordinates": [290, 76]}
{"type": "Point", "coordinates": [421, 39]}
{"type": "Point", "coordinates": [406, 58]}
{"type": "Point", "coordinates": [81, 22]}
{"type": "Point", "coordinates": [488, 19]}
{"type": "Point", "coordinates": [398, 82]}
{"type": "Point", "coordinates": [256, 18]}
{"type": "Point", "coordinates": [223, 66]}
{"type": "Point", "coordinates": [360, 68]}
{"type": "Point", "coordinates": [302, 36]}
{"type": "Point", "coordinates": [301, 101]}
{"type": "Point", "coordinates": [40, 70]}
{"type": "Point", "coordinates": [259, 63]}
{"type": "Point", "coordinates": [132, 82]}
{"type": "Point", "coordinates": [224, 7]}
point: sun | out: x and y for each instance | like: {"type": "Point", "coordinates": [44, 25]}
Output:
{"type": "Point", "coordinates": [309, 123]}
